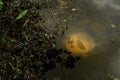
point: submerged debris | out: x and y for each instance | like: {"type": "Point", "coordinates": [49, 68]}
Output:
{"type": "Point", "coordinates": [113, 26]}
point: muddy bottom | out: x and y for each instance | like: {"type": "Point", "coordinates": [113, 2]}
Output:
{"type": "Point", "coordinates": [102, 23]}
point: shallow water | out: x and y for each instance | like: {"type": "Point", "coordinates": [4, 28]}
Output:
{"type": "Point", "coordinates": [102, 22]}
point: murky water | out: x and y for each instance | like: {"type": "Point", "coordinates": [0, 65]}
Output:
{"type": "Point", "coordinates": [101, 20]}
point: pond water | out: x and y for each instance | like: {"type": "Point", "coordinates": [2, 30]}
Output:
{"type": "Point", "coordinates": [100, 19]}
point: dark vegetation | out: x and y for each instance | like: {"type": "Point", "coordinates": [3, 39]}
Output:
{"type": "Point", "coordinates": [27, 46]}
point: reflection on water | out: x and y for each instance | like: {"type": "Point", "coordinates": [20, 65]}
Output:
{"type": "Point", "coordinates": [107, 3]}
{"type": "Point", "coordinates": [96, 19]}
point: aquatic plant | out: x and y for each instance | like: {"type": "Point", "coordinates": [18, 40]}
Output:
{"type": "Point", "coordinates": [1, 5]}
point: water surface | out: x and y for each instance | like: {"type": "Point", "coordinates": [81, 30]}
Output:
{"type": "Point", "coordinates": [102, 22]}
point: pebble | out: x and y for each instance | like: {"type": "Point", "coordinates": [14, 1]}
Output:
{"type": "Point", "coordinates": [73, 9]}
